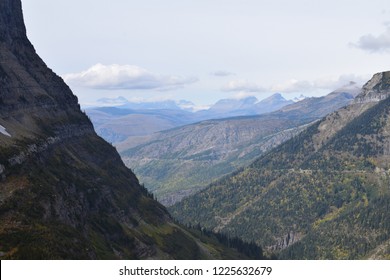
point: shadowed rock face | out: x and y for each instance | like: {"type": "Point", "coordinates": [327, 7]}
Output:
{"type": "Point", "coordinates": [26, 82]}
{"type": "Point", "coordinates": [11, 21]}
{"type": "Point", "coordinates": [35, 102]}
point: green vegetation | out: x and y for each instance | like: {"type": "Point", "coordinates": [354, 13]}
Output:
{"type": "Point", "coordinates": [250, 249]}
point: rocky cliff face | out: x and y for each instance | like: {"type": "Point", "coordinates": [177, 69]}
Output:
{"type": "Point", "coordinates": [376, 89]}
{"type": "Point", "coordinates": [35, 102]}
{"type": "Point", "coordinates": [11, 22]}
{"type": "Point", "coordinates": [64, 191]}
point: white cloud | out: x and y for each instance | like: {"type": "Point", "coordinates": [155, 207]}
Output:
{"type": "Point", "coordinates": [130, 77]}
{"type": "Point", "coordinates": [293, 85]}
{"type": "Point", "coordinates": [325, 83]}
{"type": "Point", "coordinates": [241, 95]}
{"type": "Point", "coordinates": [222, 73]}
{"type": "Point", "coordinates": [341, 81]}
{"type": "Point", "coordinates": [372, 43]}
{"type": "Point", "coordinates": [242, 86]}
{"type": "Point", "coordinates": [107, 101]}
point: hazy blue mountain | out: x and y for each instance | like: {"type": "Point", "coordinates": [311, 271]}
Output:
{"type": "Point", "coordinates": [272, 103]}
{"type": "Point", "coordinates": [247, 106]}
{"type": "Point", "coordinates": [229, 105]}
{"type": "Point", "coordinates": [116, 123]}
{"type": "Point", "coordinates": [123, 103]}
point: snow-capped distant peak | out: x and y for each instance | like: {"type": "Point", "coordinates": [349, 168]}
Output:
{"type": "Point", "coordinates": [276, 97]}
{"type": "Point", "coordinates": [186, 105]}
{"type": "Point", "coordinates": [300, 98]}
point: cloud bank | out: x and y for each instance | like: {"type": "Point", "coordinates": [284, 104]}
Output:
{"type": "Point", "coordinates": [242, 85]}
{"type": "Point", "coordinates": [222, 73]}
{"type": "Point", "coordinates": [327, 83]}
{"type": "Point", "coordinates": [295, 86]}
{"type": "Point", "coordinates": [375, 44]}
{"type": "Point", "coordinates": [130, 77]}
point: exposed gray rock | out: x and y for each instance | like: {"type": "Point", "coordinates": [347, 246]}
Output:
{"type": "Point", "coordinates": [287, 240]}
{"type": "Point", "coordinates": [376, 89]}
{"type": "Point", "coordinates": [65, 133]}
{"type": "Point", "coordinates": [11, 21]}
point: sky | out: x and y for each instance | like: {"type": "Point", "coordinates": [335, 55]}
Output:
{"type": "Point", "coordinates": [206, 50]}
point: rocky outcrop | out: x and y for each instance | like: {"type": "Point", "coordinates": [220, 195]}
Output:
{"type": "Point", "coordinates": [11, 22]}
{"type": "Point", "coordinates": [32, 149]}
{"type": "Point", "coordinates": [287, 240]}
{"type": "Point", "coordinates": [376, 89]}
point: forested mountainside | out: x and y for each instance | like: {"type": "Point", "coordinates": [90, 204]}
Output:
{"type": "Point", "coordinates": [179, 162]}
{"type": "Point", "coordinates": [324, 194]}
{"type": "Point", "coordinates": [64, 191]}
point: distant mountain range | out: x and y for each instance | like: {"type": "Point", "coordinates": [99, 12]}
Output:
{"type": "Point", "coordinates": [248, 105]}
{"type": "Point", "coordinates": [244, 107]}
{"type": "Point", "coordinates": [323, 194]}
{"type": "Point", "coordinates": [116, 124]}
{"type": "Point", "coordinates": [121, 102]}
{"type": "Point", "coordinates": [125, 119]}
{"type": "Point", "coordinates": [179, 162]}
